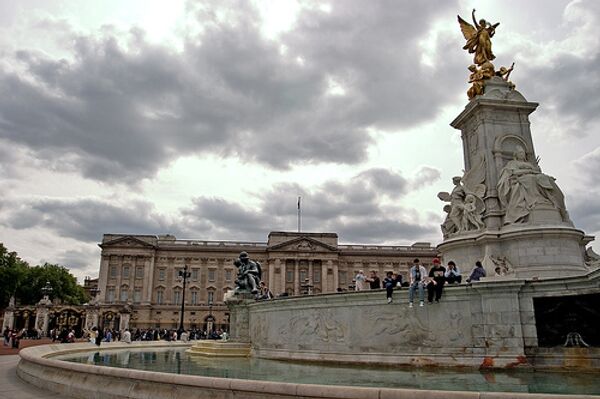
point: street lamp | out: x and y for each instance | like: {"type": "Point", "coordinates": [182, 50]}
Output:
{"type": "Point", "coordinates": [184, 274]}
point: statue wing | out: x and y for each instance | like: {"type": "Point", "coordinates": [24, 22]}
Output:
{"type": "Point", "coordinates": [474, 178]}
{"type": "Point", "coordinates": [444, 196]}
{"type": "Point", "coordinates": [466, 28]}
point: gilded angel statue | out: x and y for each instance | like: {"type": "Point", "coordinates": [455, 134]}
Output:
{"type": "Point", "coordinates": [478, 38]}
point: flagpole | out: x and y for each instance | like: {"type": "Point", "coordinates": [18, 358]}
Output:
{"type": "Point", "coordinates": [299, 216]}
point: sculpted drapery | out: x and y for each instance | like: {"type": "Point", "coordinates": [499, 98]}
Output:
{"type": "Point", "coordinates": [522, 187]}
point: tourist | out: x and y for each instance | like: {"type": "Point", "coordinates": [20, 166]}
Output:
{"type": "Point", "coordinates": [360, 281]}
{"type": "Point", "coordinates": [71, 336]}
{"type": "Point", "coordinates": [6, 335]}
{"type": "Point", "coordinates": [374, 281]}
{"type": "Point", "coordinates": [184, 337]}
{"type": "Point", "coordinates": [436, 282]}
{"type": "Point", "coordinates": [107, 336]}
{"type": "Point", "coordinates": [398, 280]}
{"type": "Point", "coordinates": [418, 279]}
{"type": "Point", "coordinates": [477, 273]}
{"type": "Point", "coordinates": [126, 336]}
{"type": "Point", "coordinates": [453, 274]}
{"type": "Point", "coordinates": [389, 283]}
{"type": "Point", "coordinates": [265, 292]}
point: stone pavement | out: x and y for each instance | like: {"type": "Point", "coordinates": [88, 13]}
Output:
{"type": "Point", "coordinates": [5, 350]}
{"type": "Point", "coordinates": [12, 387]}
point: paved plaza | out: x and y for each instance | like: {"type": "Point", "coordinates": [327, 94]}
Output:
{"type": "Point", "coordinates": [13, 387]}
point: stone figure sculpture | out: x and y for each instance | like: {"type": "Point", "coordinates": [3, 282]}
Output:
{"type": "Point", "coordinates": [464, 213]}
{"type": "Point", "coordinates": [249, 274]}
{"type": "Point", "coordinates": [478, 38]}
{"type": "Point", "coordinates": [522, 187]}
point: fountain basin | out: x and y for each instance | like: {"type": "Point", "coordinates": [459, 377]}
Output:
{"type": "Point", "coordinates": [41, 367]}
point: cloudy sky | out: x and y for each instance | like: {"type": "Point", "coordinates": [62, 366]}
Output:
{"type": "Point", "coordinates": [206, 120]}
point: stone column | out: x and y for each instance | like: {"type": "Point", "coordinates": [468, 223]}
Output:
{"type": "Point", "coordinates": [296, 277]}
{"type": "Point", "coordinates": [310, 272]}
{"type": "Point", "coordinates": [324, 280]}
{"type": "Point", "coordinates": [124, 321]}
{"type": "Point", "coordinates": [103, 277]}
{"type": "Point", "coordinates": [148, 279]}
{"type": "Point", "coordinates": [336, 273]}
{"type": "Point", "coordinates": [271, 283]}
{"type": "Point", "coordinates": [9, 319]}
{"type": "Point", "coordinates": [283, 275]}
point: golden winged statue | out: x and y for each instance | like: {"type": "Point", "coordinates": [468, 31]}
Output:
{"type": "Point", "coordinates": [478, 38]}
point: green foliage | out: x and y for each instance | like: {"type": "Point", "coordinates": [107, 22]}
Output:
{"type": "Point", "coordinates": [26, 282]}
{"type": "Point", "coordinates": [13, 273]}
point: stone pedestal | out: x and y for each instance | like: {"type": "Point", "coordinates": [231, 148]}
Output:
{"type": "Point", "coordinates": [496, 136]}
{"type": "Point", "coordinates": [239, 317]}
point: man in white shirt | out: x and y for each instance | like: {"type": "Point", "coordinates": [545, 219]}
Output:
{"type": "Point", "coordinates": [360, 281]}
{"type": "Point", "coordinates": [126, 336]}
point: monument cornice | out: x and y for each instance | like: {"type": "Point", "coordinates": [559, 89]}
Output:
{"type": "Point", "coordinates": [479, 103]}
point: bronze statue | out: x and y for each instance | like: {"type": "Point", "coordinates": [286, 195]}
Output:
{"type": "Point", "coordinates": [249, 274]}
{"type": "Point", "coordinates": [478, 38]}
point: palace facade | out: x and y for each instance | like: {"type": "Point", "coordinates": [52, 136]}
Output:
{"type": "Point", "coordinates": [139, 285]}
{"type": "Point", "coordinates": [139, 274]}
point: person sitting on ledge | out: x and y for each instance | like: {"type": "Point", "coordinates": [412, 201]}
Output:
{"type": "Point", "coordinates": [374, 281]}
{"type": "Point", "coordinates": [436, 281]}
{"type": "Point", "coordinates": [453, 273]}
{"type": "Point", "coordinates": [389, 283]}
{"type": "Point", "coordinates": [477, 273]}
{"type": "Point", "coordinates": [418, 280]}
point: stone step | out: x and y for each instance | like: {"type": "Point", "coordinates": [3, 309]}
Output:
{"type": "Point", "coordinates": [220, 349]}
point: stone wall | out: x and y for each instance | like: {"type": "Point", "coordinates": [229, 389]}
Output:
{"type": "Point", "coordinates": [488, 324]}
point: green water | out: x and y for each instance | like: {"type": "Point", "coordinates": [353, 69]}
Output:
{"type": "Point", "coordinates": [179, 362]}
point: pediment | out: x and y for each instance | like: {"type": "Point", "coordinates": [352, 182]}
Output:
{"type": "Point", "coordinates": [302, 244]}
{"type": "Point", "coordinates": [127, 241]}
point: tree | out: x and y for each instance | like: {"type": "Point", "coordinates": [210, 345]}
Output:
{"type": "Point", "coordinates": [25, 282]}
{"type": "Point", "coordinates": [64, 285]}
{"type": "Point", "coordinates": [13, 271]}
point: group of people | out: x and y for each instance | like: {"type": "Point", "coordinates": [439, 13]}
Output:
{"type": "Point", "coordinates": [12, 337]}
{"type": "Point", "coordinates": [97, 336]}
{"type": "Point", "coordinates": [419, 280]}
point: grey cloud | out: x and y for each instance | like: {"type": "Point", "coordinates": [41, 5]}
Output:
{"type": "Point", "coordinates": [426, 176]}
{"type": "Point", "coordinates": [86, 219]}
{"type": "Point", "coordinates": [122, 111]}
{"type": "Point", "coordinates": [585, 211]}
{"type": "Point", "coordinates": [589, 164]}
{"type": "Point", "coordinates": [351, 208]}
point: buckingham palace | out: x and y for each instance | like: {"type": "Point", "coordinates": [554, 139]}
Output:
{"type": "Point", "coordinates": [139, 284]}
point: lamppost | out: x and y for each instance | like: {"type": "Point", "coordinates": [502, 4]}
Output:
{"type": "Point", "coordinates": [184, 274]}
{"type": "Point", "coordinates": [47, 290]}
{"type": "Point", "coordinates": [210, 319]}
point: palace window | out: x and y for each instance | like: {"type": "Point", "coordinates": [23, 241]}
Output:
{"type": "Point", "coordinates": [160, 297]}
{"type": "Point", "coordinates": [228, 275]}
{"type": "Point", "coordinates": [125, 271]}
{"type": "Point", "coordinates": [343, 277]}
{"type": "Point", "coordinates": [124, 294]}
{"type": "Point", "coordinates": [110, 295]}
{"type": "Point", "coordinates": [211, 296]}
{"type": "Point", "coordinates": [161, 274]}
{"type": "Point", "coordinates": [113, 272]}
{"type": "Point", "coordinates": [139, 272]}
{"type": "Point", "coordinates": [317, 276]}
{"type": "Point", "coordinates": [195, 274]}
{"type": "Point", "coordinates": [289, 276]}
{"type": "Point", "coordinates": [177, 297]}
{"type": "Point", "coordinates": [303, 276]}
{"type": "Point", "coordinates": [211, 274]}
{"type": "Point", "coordinates": [194, 297]}
{"type": "Point", "coordinates": [137, 295]}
